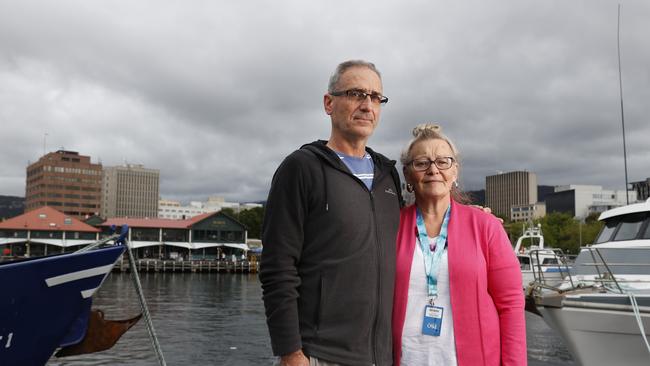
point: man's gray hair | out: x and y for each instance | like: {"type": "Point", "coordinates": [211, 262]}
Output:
{"type": "Point", "coordinates": [343, 67]}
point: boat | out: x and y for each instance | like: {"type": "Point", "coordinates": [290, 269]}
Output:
{"type": "Point", "coordinates": [45, 303]}
{"type": "Point", "coordinates": [602, 310]}
{"type": "Point", "coordinates": [537, 262]}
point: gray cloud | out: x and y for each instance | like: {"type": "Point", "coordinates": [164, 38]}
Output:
{"type": "Point", "coordinates": [216, 94]}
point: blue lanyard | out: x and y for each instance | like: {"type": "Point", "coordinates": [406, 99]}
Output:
{"type": "Point", "coordinates": [432, 257]}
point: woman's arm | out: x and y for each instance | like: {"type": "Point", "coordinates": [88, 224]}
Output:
{"type": "Point", "coordinates": [504, 285]}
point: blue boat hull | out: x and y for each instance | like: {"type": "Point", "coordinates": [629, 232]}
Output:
{"type": "Point", "coordinates": [44, 302]}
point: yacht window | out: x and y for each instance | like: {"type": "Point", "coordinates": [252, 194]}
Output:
{"type": "Point", "coordinates": [524, 263]}
{"type": "Point", "coordinates": [646, 235]}
{"type": "Point", "coordinates": [607, 231]}
{"type": "Point", "coordinates": [550, 261]}
{"type": "Point", "coordinates": [629, 227]}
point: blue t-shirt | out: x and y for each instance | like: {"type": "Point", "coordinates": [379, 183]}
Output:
{"type": "Point", "coordinates": [362, 168]}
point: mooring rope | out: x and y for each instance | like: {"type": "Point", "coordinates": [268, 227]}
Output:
{"type": "Point", "coordinates": [98, 243]}
{"type": "Point", "coordinates": [143, 304]}
{"type": "Point", "coordinates": [639, 321]}
{"type": "Point", "coordinates": [121, 239]}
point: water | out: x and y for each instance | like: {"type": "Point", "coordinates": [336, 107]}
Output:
{"type": "Point", "coordinates": [545, 347]}
{"type": "Point", "coordinates": [218, 319]}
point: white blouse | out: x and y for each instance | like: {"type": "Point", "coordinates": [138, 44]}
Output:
{"type": "Point", "coordinates": [419, 349]}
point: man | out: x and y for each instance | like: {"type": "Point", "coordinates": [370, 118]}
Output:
{"type": "Point", "coordinates": [329, 234]}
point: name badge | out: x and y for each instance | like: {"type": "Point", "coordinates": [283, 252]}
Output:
{"type": "Point", "coordinates": [432, 323]}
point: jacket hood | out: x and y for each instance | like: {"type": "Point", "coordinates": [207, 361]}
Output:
{"type": "Point", "coordinates": [383, 165]}
{"type": "Point", "coordinates": [319, 147]}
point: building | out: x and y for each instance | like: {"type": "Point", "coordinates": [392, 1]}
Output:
{"type": "Point", "coordinates": [504, 190]}
{"type": "Point", "coordinates": [170, 209]}
{"type": "Point", "coordinates": [66, 181]}
{"type": "Point", "coordinates": [44, 231]}
{"type": "Point", "coordinates": [642, 189]}
{"type": "Point", "coordinates": [130, 191]}
{"type": "Point", "coordinates": [207, 236]}
{"type": "Point", "coordinates": [527, 212]}
{"type": "Point", "coordinates": [581, 200]}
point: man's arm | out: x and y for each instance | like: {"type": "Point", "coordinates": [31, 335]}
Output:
{"type": "Point", "coordinates": [282, 237]}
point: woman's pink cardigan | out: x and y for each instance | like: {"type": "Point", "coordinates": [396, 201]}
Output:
{"type": "Point", "coordinates": [484, 283]}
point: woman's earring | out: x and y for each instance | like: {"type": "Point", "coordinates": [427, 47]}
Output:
{"type": "Point", "coordinates": [456, 184]}
{"type": "Point", "coordinates": [409, 187]}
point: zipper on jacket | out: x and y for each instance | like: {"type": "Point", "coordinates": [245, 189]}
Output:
{"type": "Point", "coordinates": [379, 280]}
{"type": "Point", "coordinates": [377, 253]}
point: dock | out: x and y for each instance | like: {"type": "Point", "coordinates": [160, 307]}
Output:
{"type": "Point", "coordinates": [188, 266]}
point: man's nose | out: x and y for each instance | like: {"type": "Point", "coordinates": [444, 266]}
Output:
{"type": "Point", "coordinates": [366, 103]}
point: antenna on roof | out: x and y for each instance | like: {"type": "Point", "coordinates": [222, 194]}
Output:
{"type": "Point", "coordinates": [620, 84]}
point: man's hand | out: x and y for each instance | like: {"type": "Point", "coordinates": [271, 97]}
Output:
{"type": "Point", "coordinates": [488, 210]}
{"type": "Point", "coordinates": [294, 359]}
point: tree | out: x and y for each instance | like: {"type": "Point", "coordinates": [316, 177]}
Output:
{"type": "Point", "coordinates": [230, 212]}
{"type": "Point", "coordinates": [561, 231]}
{"type": "Point", "coordinates": [251, 218]}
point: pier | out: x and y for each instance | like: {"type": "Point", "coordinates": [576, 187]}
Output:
{"type": "Point", "coordinates": [185, 266]}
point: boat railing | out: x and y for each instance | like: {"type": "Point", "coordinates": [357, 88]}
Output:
{"type": "Point", "coordinates": [605, 273]}
{"type": "Point", "coordinates": [559, 263]}
{"type": "Point", "coordinates": [616, 272]}
{"type": "Point", "coordinates": [617, 269]}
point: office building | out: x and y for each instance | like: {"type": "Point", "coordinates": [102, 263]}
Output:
{"type": "Point", "coordinates": [66, 181]}
{"type": "Point", "coordinates": [642, 189]}
{"type": "Point", "coordinates": [581, 200]}
{"type": "Point", "coordinates": [170, 209]}
{"type": "Point", "coordinates": [504, 190]}
{"type": "Point", "coordinates": [527, 212]}
{"type": "Point", "coordinates": [130, 191]}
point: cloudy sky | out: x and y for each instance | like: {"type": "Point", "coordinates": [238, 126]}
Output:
{"type": "Point", "coordinates": [215, 93]}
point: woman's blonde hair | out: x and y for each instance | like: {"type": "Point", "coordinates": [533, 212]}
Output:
{"type": "Point", "coordinates": [429, 131]}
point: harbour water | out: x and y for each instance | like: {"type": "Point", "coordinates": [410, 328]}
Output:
{"type": "Point", "coordinates": [218, 319]}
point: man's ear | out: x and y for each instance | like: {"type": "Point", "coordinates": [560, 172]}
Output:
{"type": "Point", "coordinates": [327, 104]}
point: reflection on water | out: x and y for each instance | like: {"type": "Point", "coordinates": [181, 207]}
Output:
{"type": "Point", "coordinates": [218, 319]}
{"type": "Point", "coordinates": [545, 346]}
{"type": "Point", "coordinates": [200, 319]}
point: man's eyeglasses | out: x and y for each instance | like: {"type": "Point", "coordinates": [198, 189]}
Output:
{"type": "Point", "coordinates": [442, 163]}
{"type": "Point", "coordinates": [360, 95]}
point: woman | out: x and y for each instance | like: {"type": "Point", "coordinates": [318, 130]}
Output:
{"type": "Point", "coordinates": [458, 298]}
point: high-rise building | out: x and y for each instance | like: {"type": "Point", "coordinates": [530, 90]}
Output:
{"type": "Point", "coordinates": [130, 191]}
{"type": "Point", "coordinates": [66, 181]}
{"type": "Point", "coordinates": [504, 190]}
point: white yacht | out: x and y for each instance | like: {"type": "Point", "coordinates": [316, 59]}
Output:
{"type": "Point", "coordinates": [536, 262]}
{"type": "Point", "coordinates": [603, 309]}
